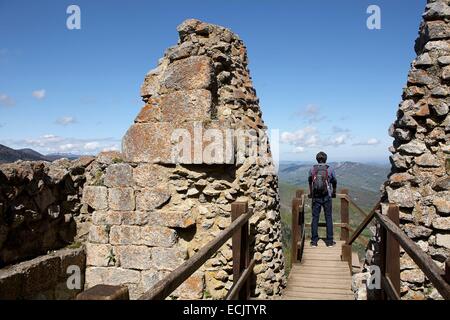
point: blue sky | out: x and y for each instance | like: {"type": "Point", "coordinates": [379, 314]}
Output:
{"type": "Point", "coordinates": [324, 80]}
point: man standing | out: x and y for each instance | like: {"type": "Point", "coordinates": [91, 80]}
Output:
{"type": "Point", "coordinates": [322, 188]}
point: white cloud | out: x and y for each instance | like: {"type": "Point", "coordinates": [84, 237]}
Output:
{"type": "Point", "coordinates": [51, 143]}
{"type": "Point", "coordinates": [309, 137]}
{"type": "Point", "coordinates": [91, 145]}
{"type": "Point", "coordinates": [6, 100]}
{"type": "Point", "coordinates": [311, 114]}
{"type": "Point", "coordinates": [39, 94]}
{"type": "Point", "coordinates": [337, 141]}
{"type": "Point", "coordinates": [298, 150]}
{"type": "Point", "coordinates": [64, 121]}
{"type": "Point", "coordinates": [370, 142]}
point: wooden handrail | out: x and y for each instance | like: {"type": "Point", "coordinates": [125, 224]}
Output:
{"type": "Point", "coordinates": [237, 287]}
{"type": "Point", "coordinates": [298, 226]}
{"type": "Point", "coordinates": [167, 285]}
{"type": "Point", "coordinates": [422, 260]}
{"type": "Point", "coordinates": [364, 224]}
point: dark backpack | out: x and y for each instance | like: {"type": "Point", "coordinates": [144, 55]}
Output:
{"type": "Point", "coordinates": [320, 180]}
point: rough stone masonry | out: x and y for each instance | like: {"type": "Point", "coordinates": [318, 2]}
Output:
{"type": "Point", "coordinates": [420, 179]}
{"type": "Point", "coordinates": [151, 211]}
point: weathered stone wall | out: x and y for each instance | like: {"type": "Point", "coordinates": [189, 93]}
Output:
{"type": "Point", "coordinates": [40, 207]}
{"type": "Point", "coordinates": [420, 179]}
{"type": "Point", "coordinates": [153, 208]}
{"type": "Point", "coordinates": [45, 277]}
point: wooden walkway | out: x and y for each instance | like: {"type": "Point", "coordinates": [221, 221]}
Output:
{"type": "Point", "coordinates": [320, 276]}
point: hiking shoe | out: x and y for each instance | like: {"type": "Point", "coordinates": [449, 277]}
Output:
{"type": "Point", "coordinates": [331, 244]}
{"type": "Point", "coordinates": [313, 244]}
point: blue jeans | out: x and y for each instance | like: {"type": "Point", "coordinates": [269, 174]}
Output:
{"type": "Point", "coordinates": [317, 204]}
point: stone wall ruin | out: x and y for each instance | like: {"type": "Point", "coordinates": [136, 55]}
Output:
{"type": "Point", "coordinates": [152, 209]}
{"type": "Point", "coordinates": [420, 177]}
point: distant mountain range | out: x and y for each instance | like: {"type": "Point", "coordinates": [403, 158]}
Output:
{"type": "Point", "coordinates": [11, 155]}
{"type": "Point", "coordinates": [362, 180]}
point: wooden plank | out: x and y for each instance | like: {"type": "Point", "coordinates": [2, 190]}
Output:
{"type": "Point", "coordinates": [364, 224]}
{"type": "Point", "coordinates": [294, 290]}
{"type": "Point", "coordinates": [447, 270]}
{"type": "Point", "coordinates": [316, 284]}
{"type": "Point", "coordinates": [325, 270]}
{"type": "Point", "coordinates": [167, 285]}
{"type": "Point", "coordinates": [389, 288]}
{"type": "Point", "coordinates": [307, 275]}
{"type": "Point", "coordinates": [324, 263]}
{"type": "Point", "coordinates": [295, 234]}
{"type": "Point", "coordinates": [240, 248]}
{"type": "Point", "coordinates": [423, 261]}
{"type": "Point", "coordinates": [310, 273]}
{"type": "Point", "coordinates": [318, 281]}
{"type": "Point", "coordinates": [320, 296]}
{"type": "Point", "coordinates": [344, 215]}
{"type": "Point", "coordinates": [331, 257]}
{"type": "Point", "coordinates": [393, 251]}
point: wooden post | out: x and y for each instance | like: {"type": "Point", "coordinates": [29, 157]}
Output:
{"type": "Point", "coordinates": [393, 250]}
{"type": "Point", "coordinates": [301, 222]}
{"type": "Point", "coordinates": [383, 249]}
{"type": "Point", "coordinates": [295, 229]}
{"type": "Point", "coordinates": [344, 216]}
{"type": "Point", "coordinates": [447, 271]}
{"type": "Point", "coordinates": [240, 247]}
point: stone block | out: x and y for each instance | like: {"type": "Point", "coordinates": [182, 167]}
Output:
{"type": "Point", "coordinates": [442, 205]}
{"type": "Point", "coordinates": [443, 240]}
{"type": "Point", "coordinates": [192, 288]}
{"type": "Point", "coordinates": [111, 276]}
{"type": "Point", "coordinates": [191, 142]}
{"type": "Point", "coordinates": [122, 199]}
{"type": "Point", "coordinates": [125, 235]}
{"type": "Point", "coordinates": [135, 218]}
{"type": "Point", "coordinates": [192, 105]}
{"type": "Point", "coordinates": [71, 257]}
{"type": "Point", "coordinates": [109, 157]}
{"type": "Point", "coordinates": [135, 257]}
{"type": "Point", "coordinates": [156, 236]}
{"type": "Point", "coordinates": [148, 175]}
{"type": "Point", "coordinates": [98, 234]}
{"type": "Point", "coordinates": [40, 274]}
{"type": "Point", "coordinates": [173, 218]}
{"type": "Point", "coordinates": [151, 112]}
{"type": "Point", "coordinates": [168, 258]}
{"type": "Point", "coordinates": [150, 199]}
{"type": "Point", "coordinates": [151, 277]}
{"type": "Point", "coordinates": [97, 255]}
{"type": "Point", "coordinates": [107, 218]}
{"type": "Point", "coordinates": [10, 284]}
{"type": "Point", "coordinates": [118, 175]}
{"type": "Point", "coordinates": [96, 197]}
{"type": "Point", "coordinates": [189, 73]}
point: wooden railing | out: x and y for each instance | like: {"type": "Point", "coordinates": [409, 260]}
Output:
{"type": "Point", "coordinates": [391, 238]}
{"type": "Point", "coordinates": [242, 265]}
{"type": "Point", "coordinates": [298, 226]}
